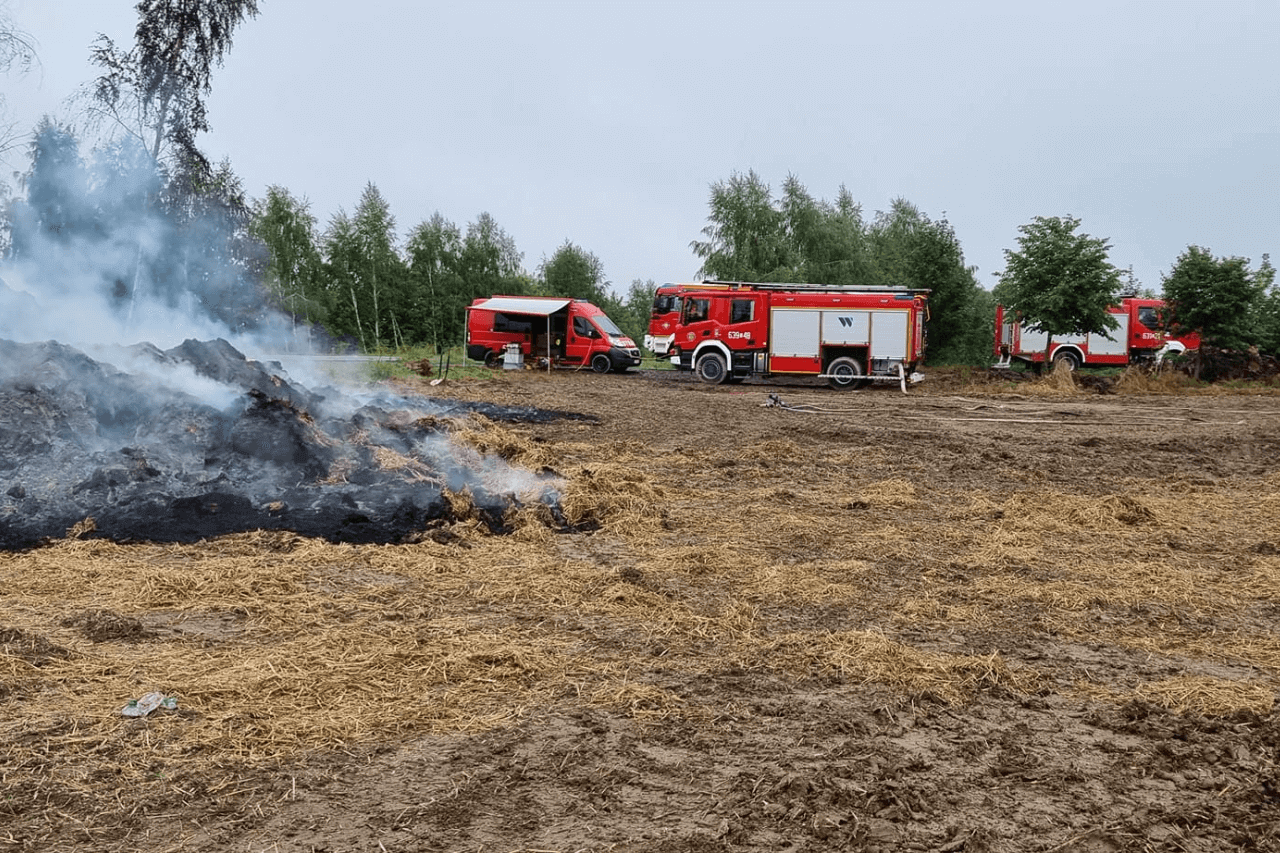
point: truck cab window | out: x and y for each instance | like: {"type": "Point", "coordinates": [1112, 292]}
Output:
{"type": "Point", "coordinates": [696, 310]}
{"type": "Point", "coordinates": [742, 311]}
{"type": "Point", "coordinates": [1149, 317]}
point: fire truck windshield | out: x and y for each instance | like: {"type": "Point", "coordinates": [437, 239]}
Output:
{"type": "Point", "coordinates": [664, 304]}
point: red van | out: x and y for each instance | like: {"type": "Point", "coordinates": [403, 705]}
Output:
{"type": "Point", "coordinates": [556, 331]}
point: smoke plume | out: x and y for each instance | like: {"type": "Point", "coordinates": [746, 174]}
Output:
{"type": "Point", "coordinates": [140, 398]}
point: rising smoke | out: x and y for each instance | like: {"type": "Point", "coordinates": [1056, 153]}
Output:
{"type": "Point", "coordinates": [108, 251]}
{"type": "Point", "coordinates": [137, 387]}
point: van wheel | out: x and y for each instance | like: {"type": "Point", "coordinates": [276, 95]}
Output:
{"type": "Point", "coordinates": [492, 360]}
{"type": "Point", "coordinates": [600, 363]}
{"type": "Point", "coordinates": [845, 372]}
{"type": "Point", "coordinates": [712, 369]}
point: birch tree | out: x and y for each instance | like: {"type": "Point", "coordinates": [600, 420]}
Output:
{"type": "Point", "coordinates": [156, 90]}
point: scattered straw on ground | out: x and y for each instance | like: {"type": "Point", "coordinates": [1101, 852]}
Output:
{"type": "Point", "coordinates": [775, 558]}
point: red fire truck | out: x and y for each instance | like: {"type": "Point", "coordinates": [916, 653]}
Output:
{"type": "Point", "coordinates": [1137, 338]}
{"type": "Point", "coordinates": [666, 312]}
{"type": "Point", "coordinates": [849, 336]}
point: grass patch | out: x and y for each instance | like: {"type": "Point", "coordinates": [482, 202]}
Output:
{"type": "Point", "coordinates": [424, 361]}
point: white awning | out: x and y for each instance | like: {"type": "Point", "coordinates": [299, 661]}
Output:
{"type": "Point", "coordinates": [540, 306]}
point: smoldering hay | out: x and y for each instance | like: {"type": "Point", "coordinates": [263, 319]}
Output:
{"type": "Point", "coordinates": [179, 436]}
{"type": "Point", "coordinates": [197, 440]}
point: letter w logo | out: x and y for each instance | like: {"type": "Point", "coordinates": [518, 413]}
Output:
{"type": "Point", "coordinates": [846, 321]}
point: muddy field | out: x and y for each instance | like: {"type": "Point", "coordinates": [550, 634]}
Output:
{"type": "Point", "coordinates": [974, 617]}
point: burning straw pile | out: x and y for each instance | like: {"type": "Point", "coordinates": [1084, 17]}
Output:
{"type": "Point", "coordinates": [199, 441]}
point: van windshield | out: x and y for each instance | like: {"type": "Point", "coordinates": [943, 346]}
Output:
{"type": "Point", "coordinates": [607, 326]}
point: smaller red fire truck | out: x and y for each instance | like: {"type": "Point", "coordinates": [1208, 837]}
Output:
{"type": "Point", "coordinates": [666, 312]}
{"type": "Point", "coordinates": [1137, 338]}
{"type": "Point", "coordinates": [729, 331]}
{"type": "Point", "coordinates": [559, 332]}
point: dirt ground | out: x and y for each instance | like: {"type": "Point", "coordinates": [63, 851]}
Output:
{"type": "Point", "coordinates": [977, 616]}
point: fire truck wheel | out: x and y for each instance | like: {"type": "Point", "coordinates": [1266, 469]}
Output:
{"type": "Point", "coordinates": [712, 369]}
{"type": "Point", "coordinates": [600, 363]}
{"type": "Point", "coordinates": [845, 372]}
{"type": "Point", "coordinates": [1066, 360]}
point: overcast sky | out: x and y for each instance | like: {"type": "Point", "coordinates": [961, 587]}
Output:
{"type": "Point", "coordinates": [606, 123]}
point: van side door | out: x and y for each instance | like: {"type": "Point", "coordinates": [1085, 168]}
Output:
{"type": "Point", "coordinates": [581, 340]}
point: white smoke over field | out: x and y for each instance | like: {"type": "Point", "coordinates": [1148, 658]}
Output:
{"type": "Point", "coordinates": [81, 312]}
{"type": "Point", "coordinates": [103, 290]}
{"type": "Point", "coordinates": [109, 249]}
{"type": "Point", "coordinates": [139, 387]}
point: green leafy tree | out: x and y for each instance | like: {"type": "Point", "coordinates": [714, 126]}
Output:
{"type": "Point", "coordinates": [490, 262]}
{"type": "Point", "coordinates": [152, 98]}
{"type": "Point", "coordinates": [17, 51]}
{"type": "Point", "coordinates": [802, 222]}
{"type": "Point", "coordinates": [293, 268]}
{"type": "Point", "coordinates": [1060, 281]}
{"type": "Point", "coordinates": [379, 278]}
{"type": "Point", "coordinates": [157, 89]}
{"type": "Point", "coordinates": [573, 272]}
{"type": "Point", "coordinates": [183, 242]}
{"type": "Point", "coordinates": [438, 296]}
{"type": "Point", "coordinates": [444, 272]}
{"type": "Point", "coordinates": [56, 208]}
{"type": "Point", "coordinates": [745, 235]}
{"type": "Point", "coordinates": [797, 238]}
{"type": "Point", "coordinates": [1130, 286]}
{"type": "Point", "coordinates": [979, 322]}
{"type": "Point", "coordinates": [210, 249]}
{"type": "Point", "coordinates": [342, 263]}
{"type": "Point", "coordinates": [827, 242]}
{"type": "Point", "coordinates": [639, 299]}
{"type": "Point", "coordinates": [911, 250]}
{"type": "Point", "coordinates": [125, 187]}
{"type": "Point", "coordinates": [1218, 297]}
{"type": "Point", "coordinates": [638, 306]}
{"type": "Point", "coordinates": [1269, 310]}
{"type": "Point", "coordinates": [750, 236]}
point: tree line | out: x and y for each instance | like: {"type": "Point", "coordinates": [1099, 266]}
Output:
{"type": "Point", "coordinates": [357, 281]}
{"type": "Point", "coordinates": [167, 224]}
